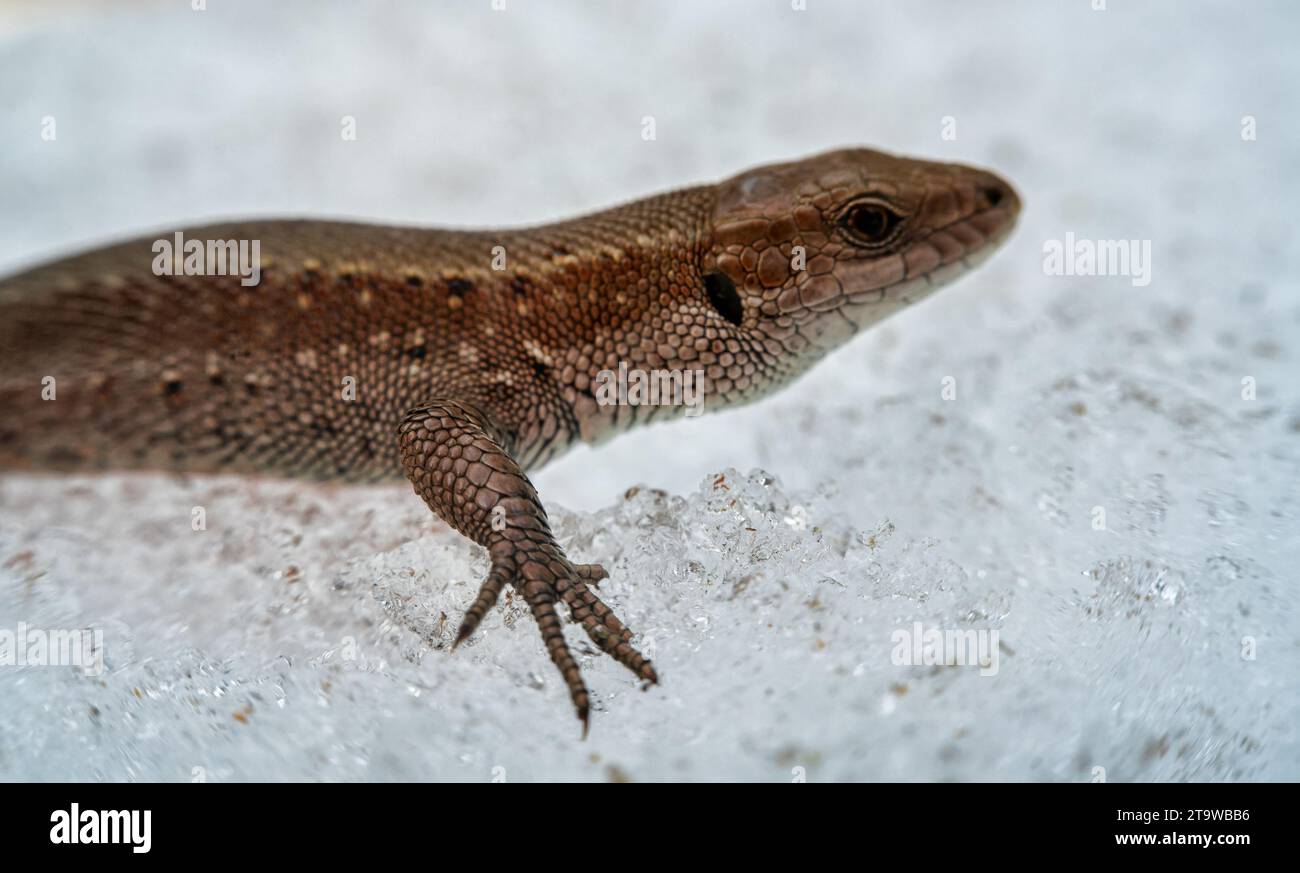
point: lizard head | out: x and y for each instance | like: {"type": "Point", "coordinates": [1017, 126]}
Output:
{"type": "Point", "coordinates": [801, 256]}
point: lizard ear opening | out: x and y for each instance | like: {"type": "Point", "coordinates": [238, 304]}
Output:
{"type": "Point", "coordinates": [724, 297]}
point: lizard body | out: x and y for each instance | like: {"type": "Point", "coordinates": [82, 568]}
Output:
{"type": "Point", "coordinates": [462, 359]}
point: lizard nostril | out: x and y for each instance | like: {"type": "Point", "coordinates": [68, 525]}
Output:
{"type": "Point", "coordinates": [993, 194]}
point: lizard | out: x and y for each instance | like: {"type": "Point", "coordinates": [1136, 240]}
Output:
{"type": "Point", "coordinates": [473, 356]}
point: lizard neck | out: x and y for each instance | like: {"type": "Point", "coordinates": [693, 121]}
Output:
{"type": "Point", "coordinates": [596, 297]}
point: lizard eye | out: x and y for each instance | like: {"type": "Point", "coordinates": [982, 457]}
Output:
{"type": "Point", "coordinates": [872, 223]}
{"type": "Point", "coordinates": [724, 297]}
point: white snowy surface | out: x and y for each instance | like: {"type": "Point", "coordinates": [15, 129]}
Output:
{"type": "Point", "coordinates": [302, 634]}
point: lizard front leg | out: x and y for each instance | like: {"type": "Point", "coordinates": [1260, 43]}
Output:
{"type": "Point", "coordinates": [459, 462]}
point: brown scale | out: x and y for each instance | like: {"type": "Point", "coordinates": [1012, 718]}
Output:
{"type": "Point", "coordinates": [466, 375]}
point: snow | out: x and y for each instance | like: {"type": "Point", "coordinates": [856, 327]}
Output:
{"type": "Point", "coordinates": [770, 556]}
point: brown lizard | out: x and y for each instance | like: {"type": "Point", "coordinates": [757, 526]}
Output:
{"type": "Point", "coordinates": [465, 358]}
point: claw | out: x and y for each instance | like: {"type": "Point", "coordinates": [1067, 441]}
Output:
{"type": "Point", "coordinates": [541, 599]}
{"type": "Point", "coordinates": [487, 598]}
{"type": "Point", "coordinates": [595, 616]}
{"type": "Point", "coordinates": [604, 628]}
{"type": "Point", "coordinates": [542, 579]}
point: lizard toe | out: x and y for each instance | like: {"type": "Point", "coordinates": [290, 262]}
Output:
{"type": "Point", "coordinates": [604, 628]}
{"type": "Point", "coordinates": [592, 574]}
{"type": "Point", "coordinates": [540, 597]}
{"type": "Point", "coordinates": [497, 578]}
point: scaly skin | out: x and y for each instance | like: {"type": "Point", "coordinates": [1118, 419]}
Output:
{"type": "Point", "coordinates": [465, 372]}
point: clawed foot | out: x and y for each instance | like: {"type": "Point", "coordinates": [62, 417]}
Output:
{"type": "Point", "coordinates": [459, 461]}
{"type": "Point", "coordinates": [543, 576]}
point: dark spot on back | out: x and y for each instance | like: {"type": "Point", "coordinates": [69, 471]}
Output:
{"type": "Point", "coordinates": [171, 387]}
{"type": "Point", "coordinates": [460, 286]}
{"type": "Point", "coordinates": [518, 286]}
{"type": "Point", "coordinates": [414, 281]}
